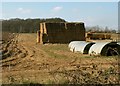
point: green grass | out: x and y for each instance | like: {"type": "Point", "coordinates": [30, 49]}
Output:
{"type": "Point", "coordinates": [49, 49]}
{"type": "Point", "coordinates": [63, 47]}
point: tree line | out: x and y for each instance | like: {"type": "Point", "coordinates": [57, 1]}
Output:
{"type": "Point", "coordinates": [99, 29]}
{"type": "Point", "coordinates": [26, 25]}
{"type": "Point", "coordinates": [17, 25]}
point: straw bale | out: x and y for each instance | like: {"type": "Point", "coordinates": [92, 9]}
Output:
{"type": "Point", "coordinates": [41, 38]}
{"type": "Point", "coordinates": [38, 36]}
{"type": "Point", "coordinates": [61, 32]}
{"type": "Point", "coordinates": [107, 36]}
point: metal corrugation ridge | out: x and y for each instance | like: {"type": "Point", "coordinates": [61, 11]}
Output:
{"type": "Point", "coordinates": [97, 48]}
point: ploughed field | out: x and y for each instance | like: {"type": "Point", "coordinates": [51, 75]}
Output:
{"type": "Point", "coordinates": [24, 61]}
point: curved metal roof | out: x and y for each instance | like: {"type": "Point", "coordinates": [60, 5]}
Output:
{"type": "Point", "coordinates": [118, 43]}
{"type": "Point", "coordinates": [97, 47]}
{"type": "Point", "coordinates": [79, 46]}
{"type": "Point", "coordinates": [74, 43]}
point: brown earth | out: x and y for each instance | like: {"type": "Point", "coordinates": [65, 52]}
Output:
{"type": "Point", "coordinates": [30, 62]}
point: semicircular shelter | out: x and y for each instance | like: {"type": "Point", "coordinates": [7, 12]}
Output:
{"type": "Point", "coordinates": [105, 49]}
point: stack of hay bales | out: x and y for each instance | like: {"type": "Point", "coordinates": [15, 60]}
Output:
{"type": "Point", "coordinates": [98, 36]}
{"type": "Point", "coordinates": [107, 36]}
{"type": "Point", "coordinates": [38, 36]}
{"type": "Point", "coordinates": [43, 33]}
{"type": "Point", "coordinates": [70, 29]}
{"type": "Point", "coordinates": [101, 36]}
{"type": "Point", "coordinates": [80, 31]}
{"type": "Point", "coordinates": [61, 32]}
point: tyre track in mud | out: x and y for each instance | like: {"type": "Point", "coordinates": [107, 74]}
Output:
{"type": "Point", "coordinates": [19, 61]}
{"type": "Point", "coordinates": [33, 54]}
{"type": "Point", "coordinates": [20, 52]}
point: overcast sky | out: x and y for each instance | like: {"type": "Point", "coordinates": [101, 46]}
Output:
{"type": "Point", "coordinates": [91, 13]}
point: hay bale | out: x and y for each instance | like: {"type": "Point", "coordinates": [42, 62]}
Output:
{"type": "Point", "coordinates": [62, 32]}
{"type": "Point", "coordinates": [41, 38]}
{"type": "Point", "coordinates": [38, 36]}
{"type": "Point", "coordinates": [107, 36]}
{"type": "Point", "coordinates": [101, 36]}
{"type": "Point", "coordinates": [70, 31]}
{"type": "Point", "coordinates": [41, 27]}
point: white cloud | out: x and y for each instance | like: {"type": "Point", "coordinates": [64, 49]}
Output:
{"type": "Point", "coordinates": [23, 11]}
{"type": "Point", "coordinates": [58, 8]}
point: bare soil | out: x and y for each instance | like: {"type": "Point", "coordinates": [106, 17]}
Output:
{"type": "Point", "coordinates": [29, 62]}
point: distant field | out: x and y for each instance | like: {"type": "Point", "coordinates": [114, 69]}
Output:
{"type": "Point", "coordinates": [114, 37]}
